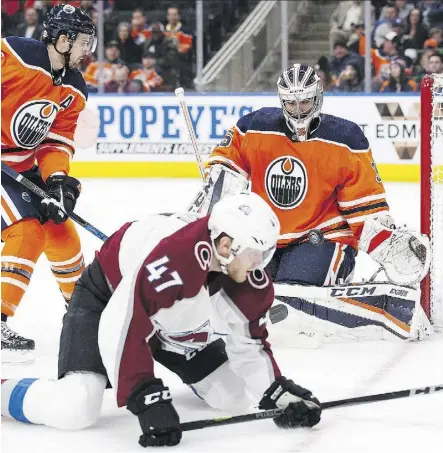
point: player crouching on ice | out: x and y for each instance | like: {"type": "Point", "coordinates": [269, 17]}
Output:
{"type": "Point", "coordinates": [317, 173]}
{"type": "Point", "coordinates": [168, 289]}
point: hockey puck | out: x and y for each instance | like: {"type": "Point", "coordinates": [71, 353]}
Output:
{"type": "Point", "coordinates": [316, 237]}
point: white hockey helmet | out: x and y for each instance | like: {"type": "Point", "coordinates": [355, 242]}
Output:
{"type": "Point", "coordinates": [301, 96]}
{"type": "Point", "coordinates": [250, 222]}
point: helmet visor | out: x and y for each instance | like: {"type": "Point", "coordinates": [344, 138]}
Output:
{"type": "Point", "coordinates": [255, 259]}
{"type": "Point", "coordinates": [88, 43]}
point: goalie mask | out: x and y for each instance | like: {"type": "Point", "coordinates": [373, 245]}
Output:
{"type": "Point", "coordinates": [252, 225]}
{"type": "Point", "coordinates": [300, 91]}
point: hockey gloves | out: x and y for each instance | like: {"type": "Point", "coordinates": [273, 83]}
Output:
{"type": "Point", "coordinates": [152, 403]}
{"type": "Point", "coordinates": [64, 191]}
{"type": "Point", "coordinates": [300, 408]}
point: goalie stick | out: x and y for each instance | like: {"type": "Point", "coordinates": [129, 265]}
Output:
{"type": "Point", "coordinates": [200, 424]}
{"type": "Point", "coordinates": [180, 93]}
{"type": "Point", "coordinates": [42, 194]}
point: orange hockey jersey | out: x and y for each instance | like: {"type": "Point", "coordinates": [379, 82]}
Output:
{"type": "Point", "coordinates": [329, 182]}
{"type": "Point", "coordinates": [38, 117]}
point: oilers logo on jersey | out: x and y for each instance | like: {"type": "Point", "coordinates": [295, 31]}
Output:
{"type": "Point", "coordinates": [31, 123]}
{"type": "Point", "coordinates": [286, 182]}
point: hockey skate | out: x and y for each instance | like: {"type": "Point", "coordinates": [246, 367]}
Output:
{"type": "Point", "coordinates": [15, 348]}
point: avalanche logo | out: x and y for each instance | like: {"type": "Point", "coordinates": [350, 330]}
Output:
{"type": "Point", "coordinates": [31, 122]}
{"type": "Point", "coordinates": [187, 341]}
{"type": "Point", "coordinates": [286, 182]}
{"type": "Point", "coordinates": [203, 253]}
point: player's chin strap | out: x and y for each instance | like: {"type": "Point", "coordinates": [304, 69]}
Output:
{"type": "Point", "coordinates": [224, 262]}
{"type": "Point", "coordinates": [402, 253]}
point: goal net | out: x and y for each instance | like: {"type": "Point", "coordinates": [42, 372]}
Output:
{"type": "Point", "coordinates": [432, 191]}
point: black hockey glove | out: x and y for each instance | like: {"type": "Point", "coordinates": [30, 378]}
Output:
{"type": "Point", "coordinates": [300, 408]}
{"type": "Point", "coordinates": [64, 191]}
{"type": "Point", "coordinates": [151, 401]}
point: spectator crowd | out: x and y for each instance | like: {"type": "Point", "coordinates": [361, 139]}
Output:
{"type": "Point", "coordinates": [406, 43]}
{"type": "Point", "coordinates": [147, 49]}
{"type": "Point", "coordinates": [141, 55]}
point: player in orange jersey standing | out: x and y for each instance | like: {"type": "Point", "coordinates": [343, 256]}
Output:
{"type": "Point", "coordinates": [317, 173]}
{"type": "Point", "coordinates": [42, 96]}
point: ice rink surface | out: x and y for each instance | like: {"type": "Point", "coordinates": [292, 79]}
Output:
{"type": "Point", "coordinates": [333, 371]}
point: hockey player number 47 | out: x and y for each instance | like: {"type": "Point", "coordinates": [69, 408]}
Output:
{"type": "Point", "coordinates": [159, 271]}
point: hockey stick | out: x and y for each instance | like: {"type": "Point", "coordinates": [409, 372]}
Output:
{"type": "Point", "coordinates": [199, 424]}
{"type": "Point", "coordinates": [42, 194]}
{"type": "Point", "coordinates": [180, 93]}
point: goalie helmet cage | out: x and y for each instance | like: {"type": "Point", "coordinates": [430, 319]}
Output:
{"type": "Point", "coordinates": [431, 181]}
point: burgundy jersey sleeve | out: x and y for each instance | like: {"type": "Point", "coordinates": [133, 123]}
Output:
{"type": "Point", "coordinates": [245, 307]}
{"type": "Point", "coordinates": [171, 272]}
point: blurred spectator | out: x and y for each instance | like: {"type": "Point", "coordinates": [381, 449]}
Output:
{"type": "Point", "coordinates": [398, 27]}
{"type": "Point", "coordinates": [87, 5]}
{"type": "Point", "coordinates": [140, 29]}
{"type": "Point", "coordinates": [109, 30]}
{"type": "Point", "coordinates": [357, 41]}
{"type": "Point", "coordinates": [349, 80]}
{"type": "Point", "coordinates": [42, 6]}
{"type": "Point", "coordinates": [430, 47]}
{"type": "Point", "coordinates": [403, 8]}
{"type": "Point", "coordinates": [10, 7]}
{"type": "Point", "coordinates": [416, 33]}
{"type": "Point", "coordinates": [346, 14]}
{"type": "Point", "coordinates": [165, 51]}
{"type": "Point", "coordinates": [434, 66]}
{"type": "Point", "coordinates": [437, 34]}
{"type": "Point", "coordinates": [184, 38]}
{"type": "Point", "coordinates": [111, 63]}
{"type": "Point", "coordinates": [30, 28]}
{"type": "Point", "coordinates": [323, 71]}
{"type": "Point", "coordinates": [432, 12]}
{"type": "Point", "coordinates": [398, 81]}
{"type": "Point", "coordinates": [147, 74]}
{"type": "Point", "coordinates": [389, 50]}
{"type": "Point", "coordinates": [341, 57]}
{"type": "Point", "coordinates": [121, 82]}
{"type": "Point", "coordinates": [175, 29]}
{"type": "Point", "coordinates": [130, 52]}
{"type": "Point", "coordinates": [384, 26]}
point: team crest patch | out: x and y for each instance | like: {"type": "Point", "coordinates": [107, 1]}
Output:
{"type": "Point", "coordinates": [32, 121]}
{"type": "Point", "coordinates": [26, 197]}
{"type": "Point", "coordinates": [203, 253]}
{"type": "Point", "coordinates": [286, 182]}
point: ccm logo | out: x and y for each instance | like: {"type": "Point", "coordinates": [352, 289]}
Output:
{"type": "Point", "coordinates": [399, 292]}
{"type": "Point", "coordinates": [352, 292]}
{"type": "Point", "coordinates": [164, 395]}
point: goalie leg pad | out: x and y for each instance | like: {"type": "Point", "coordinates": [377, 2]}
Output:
{"type": "Point", "coordinates": [357, 310]}
{"type": "Point", "coordinates": [317, 265]}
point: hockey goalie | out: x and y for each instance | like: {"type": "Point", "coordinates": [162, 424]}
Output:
{"type": "Point", "coordinates": [317, 173]}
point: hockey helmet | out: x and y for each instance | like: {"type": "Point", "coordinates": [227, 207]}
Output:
{"type": "Point", "coordinates": [70, 21]}
{"type": "Point", "coordinates": [252, 225]}
{"type": "Point", "coordinates": [300, 90]}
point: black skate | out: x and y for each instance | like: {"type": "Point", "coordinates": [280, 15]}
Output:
{"type": "Point", "coordinates": [15, 348]}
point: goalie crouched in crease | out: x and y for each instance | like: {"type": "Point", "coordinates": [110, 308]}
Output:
{"type": "Point", "coordinates": [316, 172]}
{"type": "Point", "coordinates": [188, 292]}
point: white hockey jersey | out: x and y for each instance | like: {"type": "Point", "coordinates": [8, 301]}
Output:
{"type": "Point", "coordinates": [164, 296]}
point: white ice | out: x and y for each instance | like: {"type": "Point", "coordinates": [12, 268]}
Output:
{"type": "Point", "coordinates": [333, 371]}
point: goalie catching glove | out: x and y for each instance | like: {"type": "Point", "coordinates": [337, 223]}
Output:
{"type": "Point", "coordinates": [300, 408]}
{"type": "Point", "coordinates": [403, 254]}
{"type": "Point", "coordinates": [152, 403]}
